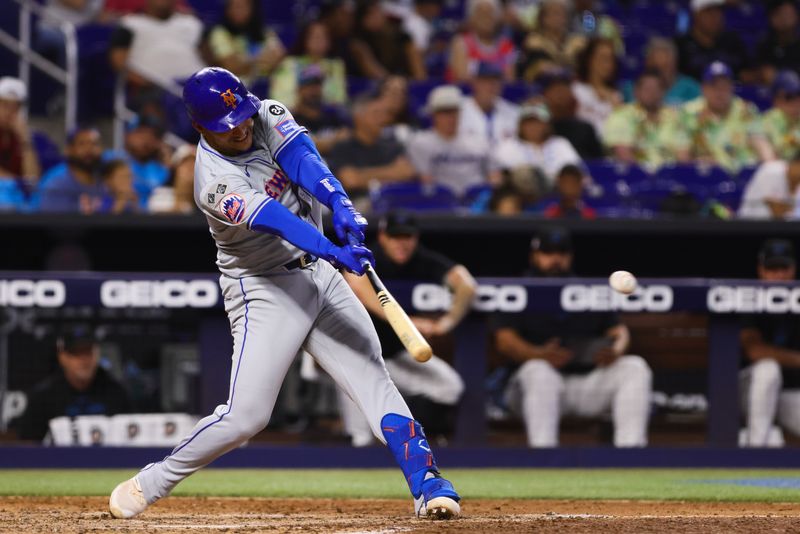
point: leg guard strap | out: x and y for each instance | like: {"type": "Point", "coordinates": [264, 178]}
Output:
{"type": "Point", "coordinates": [407, 441]}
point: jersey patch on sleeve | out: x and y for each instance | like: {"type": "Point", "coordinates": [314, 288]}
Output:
{"type": "Point", "coordinates": [276, 110]}
{"type": "Point", "coordinates": [286, 127]}
{"type": "Point", "coordinates": [233, 207]}
{"type": "Point", "coordinates": [221, 188]}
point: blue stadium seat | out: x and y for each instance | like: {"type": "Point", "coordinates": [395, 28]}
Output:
{"type": "Point", "coordinates": [659, 16]}
{"type": "Point", "coordinates": [690, 174]}
{"type": "Point", "coordinates": [758, 95]}
{"type": "Point", "coordinates": [474, 193]}
{"type": "Point", "coordinates": [46, 150]}
{"type": "Point", "coordinates": [413, 196]}
{"type": "Point", "coordinates": [744, 175]}
{"type": "Point", "coordinates": [615, 176]}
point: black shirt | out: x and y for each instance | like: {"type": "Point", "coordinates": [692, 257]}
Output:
{"type": "Point", "coordinates": [330, 118]}
{"type": "Point", "coordinates": [581, 135]}
{"type": "Point", "coordinates": [693, 58]}
{"type": "Point", "coordinates": [353, 153]}
{"type": "Point", "coordinates": [771, 52]}
{"type": "Point", "coordinates": [779, 330]}
{"type": "Point", "coordinates": [583, 333]}
{"type": "Point", "coordinates": [424, 265]}
{"type": "Point", "coordinates": [55, 397]}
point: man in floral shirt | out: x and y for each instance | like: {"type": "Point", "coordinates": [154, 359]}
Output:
{"type": "Point", "coordinates": [721, 128]}
{"type": "Point", "coordinates": [645, 131]}
{"type": "Point", "coordinates": [781, 124]}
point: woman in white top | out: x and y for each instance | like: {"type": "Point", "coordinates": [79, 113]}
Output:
{"type": "Point", "coordinates": [595, 89]}
{"type": "Point", "coordinates": [536, 146]}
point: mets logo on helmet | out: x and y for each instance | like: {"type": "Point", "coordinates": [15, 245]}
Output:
{"type": "Point", "coordinates": [233, 208]}
{"type": "Point", "coordinates": [230, 99]}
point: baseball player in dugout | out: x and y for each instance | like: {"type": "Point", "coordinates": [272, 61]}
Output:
{"type": "Point", "coordinates": [571, 363]}
{"type": "Point", "coordinates": [432, 389]}
{"type": "Point", "coordinates": [770, 379]}
{"type": "Point", "coordinates": [261, 184]}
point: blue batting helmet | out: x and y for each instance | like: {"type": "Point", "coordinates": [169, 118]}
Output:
{"type": "Point", "coordinates": [217, 100]}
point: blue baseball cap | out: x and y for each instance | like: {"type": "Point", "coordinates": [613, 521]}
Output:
{"type": "Point", "coordinates": [217, 100]}
{"type": "Point", "coordinates": [786, 82]}
{"type": "Point", "coordinates": [311, 74]}
{"type": "Point", "coordinates": [715, 70]}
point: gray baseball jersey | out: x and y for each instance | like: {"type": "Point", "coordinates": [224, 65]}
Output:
{"type": "Point", "coordinates": [232, 190]}
{"type": "Point", "coordinates": [458, 163]}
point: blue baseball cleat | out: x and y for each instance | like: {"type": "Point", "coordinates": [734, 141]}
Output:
{"type": "Point", "coordinates": [438, 499]}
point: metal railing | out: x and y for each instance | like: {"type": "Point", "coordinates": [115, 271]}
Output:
{"type": "Point", "coordinates": [122, 113]}
{"type": "Point", "coordinates": [67, 76]}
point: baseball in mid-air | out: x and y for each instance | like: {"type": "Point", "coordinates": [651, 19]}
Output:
{"type": "Point", "coordinates": [622, 281]}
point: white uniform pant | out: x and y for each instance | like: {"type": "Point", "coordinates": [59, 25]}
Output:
{"type": "Point", "coordinates": [435, 380]}
{"type": "Point", "coordinates": [541, 394]}
{"type": "Point", "coordinates": [764, 404]}
{"type": "Point", "coordinates": [272, 318]}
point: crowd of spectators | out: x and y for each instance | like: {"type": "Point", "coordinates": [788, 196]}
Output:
{"type": "Point", "coordinates": [499, 106]}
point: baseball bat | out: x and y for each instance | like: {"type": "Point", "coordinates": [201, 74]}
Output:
{"type": "Point", "coordinates": [398, 319]}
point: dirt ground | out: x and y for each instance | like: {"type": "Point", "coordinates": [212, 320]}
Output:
{"type": "Point", "coordinates": [176, 514]}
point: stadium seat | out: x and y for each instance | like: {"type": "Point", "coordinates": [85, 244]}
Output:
{"type": "Point", "coordinates": [474, 193]}
{"type": "Point", "coordinates": [758, 95]}
{"type": "Point", "coordinates": [413, 196]}
{"type": "Point", "coordinates": [744, 175]}
{"type": "Point", "coordinates": [615, 176]}
{"type": "Point", "coordinates": [46, 150]}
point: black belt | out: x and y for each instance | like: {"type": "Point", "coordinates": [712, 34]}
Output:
{"type": "Point", "coordinates": [303, 261]}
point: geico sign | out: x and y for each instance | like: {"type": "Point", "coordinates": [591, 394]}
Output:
{"type": "Point", "coordinates": [156, 294]}
{"type": "Point", "coordinates": [30, 293]}
{"type": "Point", "coordinates": [488, 298]}
{"type": "Point", "coordinates": [744, 299]}
{"type": "Point", "coordinates": [601, 298]}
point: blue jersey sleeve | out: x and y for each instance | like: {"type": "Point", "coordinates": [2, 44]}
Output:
{"type": "Point", "coordinates": [274, 218]}
{"type": "Point", "coordinates": [301, 161]}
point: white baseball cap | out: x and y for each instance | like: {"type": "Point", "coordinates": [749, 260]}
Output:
{"type": "Point", "coordinates": [699, 5]}
{"type": "Point", "coordinates": [13, 89]}
{"type": "Point", "coordinates": [444, 97]}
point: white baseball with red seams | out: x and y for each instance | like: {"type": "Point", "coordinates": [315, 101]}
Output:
{"type": "Point", "coordinates": [622, 281]}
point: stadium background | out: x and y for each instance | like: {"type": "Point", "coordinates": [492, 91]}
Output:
{"type": "Point", "coordinates": [157, 351]}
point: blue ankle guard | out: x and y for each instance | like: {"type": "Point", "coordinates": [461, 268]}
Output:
{"type": "Point", "coordinates": [406, 439]}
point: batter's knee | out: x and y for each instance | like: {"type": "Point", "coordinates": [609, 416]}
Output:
{"type": "Point", "coordinates": [245, 425]}
{"type": "Point", "coordinates": [766, 373]}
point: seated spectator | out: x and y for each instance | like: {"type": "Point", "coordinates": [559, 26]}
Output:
{"type": "Point", "coordinates": [781, 124]}
{"type": "Point", "coordinates": [780, 48]}
{"type": "Point", "coordinates": [80, 387]}
{"type": "Point", "coordinates": [75, 186]}
{"type": "Point", "coordinates": [241, 44]}
{"type": "Point", "coordinates": [568, 203]}
{"type": "Point", "coordinates": [662, 57]}
{"type": "Point", "coordinates": [17, 156]}
{"type": "Point", "coordinates": [118, 179]}
{"type": "Point", "coordinates": [595, 89]}
{"type": "Point", "coordinates": [49, 37]}
{"type": "Point", "coordinates": [338, 17]}
{"type": "Point", "coordinates": [402, 123]}
{"type": "Point", "coordinates": [484, 42]}
{"type": "Point", "coordinates": [486, 116]}
{"type": "Point", "coordinates": [588, 20]}
{"type": "Point", "coordinates": [145, 153]}
{"type": "Point", "coordinates": [550, 44]}
{"type": "Point", "coordinates": [646, 132]}
{"type": "Point", "coordinates": [770, 378]}
{"type": "Point", "coordinates": [558, 97]}
{"type": "Point", "coordinates": [326, 123]}
{"type": "Point", "coordinates": [571, 363]}
{"type": "Point", "coordinates": [311, 49]}
{"type": "Point", "coordinates": [708, 41]}
{"type": "Point", "coordinates": [366, 157]}
{"type": "Point", "coordinates": [722, 129]}
{"type": "Point", "coordinates": [159, 43]}
{"type": "Point", "coordinates": [772, 191]}
{"type": "Point", "coordinates": [381, 47]}
{"type": "Point", "coordinates": [432, 391]}
{"type": "Point", "coordinates": [439, 154]}
{"type": "Point", "coordinates": [536, 146]}
{"type": "Point", "coordinates": [420, 21]}
{"type": "Point", "coordinates": [177, 195]}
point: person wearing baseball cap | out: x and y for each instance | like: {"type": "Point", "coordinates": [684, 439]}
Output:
{"type": "Point", "coordinates": [721, 128]}
{"type": "Point", "coordinates": [485, 115]}
{"type": "Point", "coordinates": [326, 122]}
{"type": "Point", "coordinates": [770, 342]}
{"type": "Point", "coordinates": [440, 154]}
{"type": "Point", "coordinates": [707, 41]}
{"type": "Point", "coordinates": [434, 389]}
{"type": "Point", "coordinates": [79, 387]}
{"type": "Point", "coordinates": [570, 363]}
{"type": "Point", "coordinates": [781, 123]}
{"type": "Point", "coordinates": [536, 146]}
{"type": "Point", "coordinates": [17, 155]}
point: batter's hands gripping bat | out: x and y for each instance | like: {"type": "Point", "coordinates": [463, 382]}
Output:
{"type": "Point", "coordinates": [408, 334]}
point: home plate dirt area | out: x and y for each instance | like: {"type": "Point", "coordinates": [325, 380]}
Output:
{"type": "Point", "coordinates": [205, 514]}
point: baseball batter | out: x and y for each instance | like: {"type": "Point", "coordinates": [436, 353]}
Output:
{"type": "Point", "coordinates": [261, 183]}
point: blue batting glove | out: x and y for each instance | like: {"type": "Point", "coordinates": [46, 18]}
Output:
{"type": "Point", "coordinates": [347, 220]}
{"type": "Point", "coordinates": [351, 258]}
